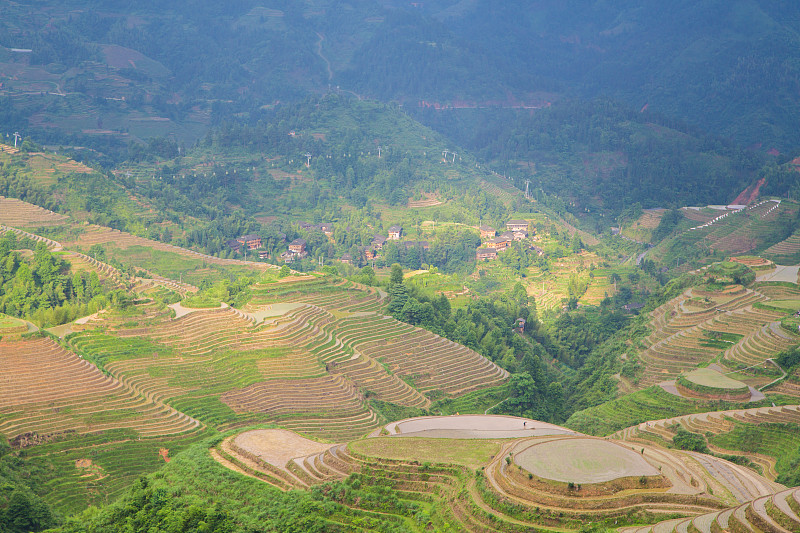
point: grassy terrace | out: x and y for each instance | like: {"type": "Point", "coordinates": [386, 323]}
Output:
{"type": "Point", "coordinates": [650, 404]}
{"type": "Point", "coordinates": [780, 441]}
{"type": "Point", "coordinates": [471, 453]}
{"type": "Point", "coordinates": [727, 324]}
{"type": "Point", "coordinates": [75, 472]}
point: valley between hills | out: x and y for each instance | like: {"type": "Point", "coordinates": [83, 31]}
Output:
{"type": "Point", "coordinates": [176, 380]}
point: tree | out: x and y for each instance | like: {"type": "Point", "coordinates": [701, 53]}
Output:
{"type": "Point", "coordinates": [26, 512]}
{"type": "Point", "coordinates": [396, 275]}
{"type": "Point", "coordinates": [576, 244]}
{"type": "Point", "coordinates": [368, 275]}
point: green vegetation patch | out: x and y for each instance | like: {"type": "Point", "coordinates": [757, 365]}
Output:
{"type": "Point", "coordinates": [780, 441]}
{"type": "Point", "coordinates": [789, 305]}
{"type": "Point", "coordinates": [468, 452]}
{"type": "Point", "coordinates": [95, 469]}
{"type": "Point", "coordinates": [199, 494]}
{"type": "Point", "coordinates": [11, 323]}
{"type": "Point", "coordinates": [101, 348]}
{"type": "Point", "coordinates": [653, 403]}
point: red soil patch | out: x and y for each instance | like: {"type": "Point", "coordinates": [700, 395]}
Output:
{"type": "Point", "coordinates": [164, 453]}
{"type": "Point", "coordinates": [750, 261]}
{"type": "Point", "coordinates": [750, 194]}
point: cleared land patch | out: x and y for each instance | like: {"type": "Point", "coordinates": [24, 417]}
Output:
{"type": "Point", "coordinates": [277, 446]}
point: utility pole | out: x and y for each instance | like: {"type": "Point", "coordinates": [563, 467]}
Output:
{"type": "Point", "coordinates": [379, 152]}
{"type": "Point", "coordinates": [16, 137]}
{"type": "Point", "coordinates": [308, 155]}
{"type": "Point", "coordinates": [527, 184]}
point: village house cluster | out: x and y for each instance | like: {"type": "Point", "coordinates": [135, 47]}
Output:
{"type": "Point", "coordinates": [298, 248]}
{"type": "Point", "coordinates": [493, 244]}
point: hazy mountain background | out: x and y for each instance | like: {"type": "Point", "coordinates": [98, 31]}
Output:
{"type": "Point", "coordinates": [719, 78]}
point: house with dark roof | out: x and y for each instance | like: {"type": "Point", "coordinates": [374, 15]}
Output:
{"type": "Point", "coordinates": [395, 232]}
{"type": "Point", "coordinates": [234, 245]}
{"type": "Point", "coordinates": [297, 246]}
{"type": "Point", "coordinates": [514, 225]}
{"type": "Point", "coordinates": [485, 254]}
{"type": "Point", "coordinates": [347, 258]}
{"type": "Point", "coordinates": [487, 232]}
{"type": "Point", "coordinates": [378, 242]}
{"type": "Point", "coordinates": [252, 241]}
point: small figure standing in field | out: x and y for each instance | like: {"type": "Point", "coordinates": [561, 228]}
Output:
{"type": "Point", "coordinates": [525, 423]}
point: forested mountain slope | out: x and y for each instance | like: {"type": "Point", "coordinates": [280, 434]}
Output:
{"type": "Point", "coordinates": [727, 67]}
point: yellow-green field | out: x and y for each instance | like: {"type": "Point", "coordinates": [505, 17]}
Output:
{"type": "Point", "coordinates": [467, 452]}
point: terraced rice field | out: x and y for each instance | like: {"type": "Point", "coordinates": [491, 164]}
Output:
{"type": "Point", "coordinates": [21, 214]}
{"type": "Point", "coordinates": [683, 332]}
{"type": "Point", "coordinates": [720, 423]}
{"type": "Point", "coordinates": [482, 485]}
{"type": "Point", "coordinates": [500, 188]}
{"type": "Point", "coordinates": [309, 368]}
{"type": "Point", "coordinates": [122, 240]}
{"type": "Point", "coordinates": [774, 512]}
{"type": "Point", "coordinates": [47, 391]}
{"type": "Point", "coordinates": [582, 460]}
{"type": "Point", "coordinates": [787, 247]}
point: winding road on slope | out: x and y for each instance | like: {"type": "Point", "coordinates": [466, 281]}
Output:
{"type": "Point", "coordinates": [321, 55]}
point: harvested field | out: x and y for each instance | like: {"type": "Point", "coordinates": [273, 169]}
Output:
{"type": "Point", "coordinates": [583, 460]}
{"type": "Point", "coordinates": [277, 446]}
{"type": "Point", "coordinates": [46, 390]}
{"type": "Point", "coordinates": [752, 261]}
{"type": "Point", "coordinates": [329, 395]}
